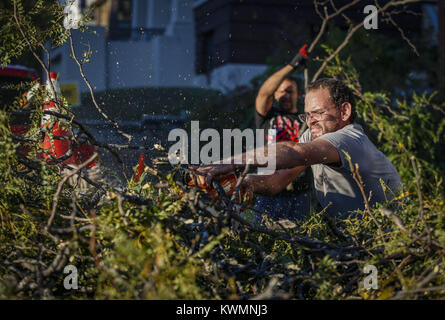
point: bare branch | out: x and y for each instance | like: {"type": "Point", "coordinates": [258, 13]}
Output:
{"type": "Point", "coordinates": [99, 109]}
{"type": "Point", "coordinates": [402, 33]}
{"type": "Point", "coordinates": [326, 20]}
{"type": "Point", "coordinates": [358, 179]}
{"type": "Point", "coordinates": [351, 32]}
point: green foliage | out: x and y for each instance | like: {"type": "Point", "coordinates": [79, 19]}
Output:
{"type": "Point", "coordinates": [167, 249]}
{"type": "Point", "coordinates": [40, 21]}
{"type": "Point", "coordinates": [386, 62]}
{"type": "Point", "coordinates": [159, 239]}
{"type": "Point", "coordinates": [401, 127]}
{"type": "Point", "coordinates": [10, 184]}
{"type": "Point", "coordinates": [142, 251]}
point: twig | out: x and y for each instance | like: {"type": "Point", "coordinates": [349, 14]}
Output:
{"type": "Point", "coordinates": [398, 222]}
{"type": "Point", "coordinates": [402, 294]}
{"type": "Point", "coordinates": [419, 193]}
{"type": "Point", "coordinates": [358, 179]}
{"type": "Point", "coordinates": [325, 22]}
{"type": "Point", "coordinates": [92, 248]}
{"type": "Point", "coordinates": [314, 244]}
{"type": "Point", "coordinates": [60, 185]}
{"type": "Point", "coordinates": [402, 33]}
{"type": "Point", "coordinates": [420, 287]}
{"type": "Point", "coordinates": [99, 109]}
{"type": "Point", "coordinates": [92, 139]}
{"type": "Point", "coordinates": [240, 181]}
{"type": "Point", "coordinates": [59, 261]}
{"type": "Point", "coordinates": [121, 209]}
{"type": "Point", "coordinates": [45, 67]}
{"type": "Point", "coordinates": [351, 32]}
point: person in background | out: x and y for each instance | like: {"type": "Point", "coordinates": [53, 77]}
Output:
{"type": "Point", "coordinates": [276, 110]}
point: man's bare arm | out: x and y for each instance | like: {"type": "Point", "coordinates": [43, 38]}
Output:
{"type": "Point", "coordinates": [264, 99]}
{"type": "Point", "coordinates": [288, 155]}
{"type": "Point", "coordinates": [271, 184]}
{"type": "Point", "coordinates": [291, 154]}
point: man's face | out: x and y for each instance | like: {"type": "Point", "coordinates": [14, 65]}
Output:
{"type": "Point", "coordinates": [286, 96]}
{"type": "Point", "coordinates": [321, 114]}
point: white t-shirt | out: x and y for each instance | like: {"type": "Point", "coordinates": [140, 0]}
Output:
{"type": "Point", "coordinates": [334, 183]}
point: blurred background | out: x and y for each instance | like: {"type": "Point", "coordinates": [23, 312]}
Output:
{"type": "Point", "coordinates": [168, 56]}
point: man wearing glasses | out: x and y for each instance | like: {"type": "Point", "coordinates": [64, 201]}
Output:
{"type": "Point", "coordinates": [332, 133]}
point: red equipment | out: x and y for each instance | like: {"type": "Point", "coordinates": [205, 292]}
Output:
{"type": "Point", "coordinates": [9, 76]}
{"type": "Point", "coordinates": [140, 168]}
{"type": "Point", "coordinates": [12, 75]}
{"type": "Point", "coordinates": [228, 183]}
{"type": "Point", "coordinates": [54, 145]}
{"type": "Point", "coordinates": [59, 144]}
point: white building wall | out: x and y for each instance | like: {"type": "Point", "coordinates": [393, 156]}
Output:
{"type": "Point", "coordinates": [175, 50]}
{"type": "Point", "coordinates": [229, 76]}
{"type": "Point", "coordinates": [159, 13]}
{"type": "Point", "coordinates": [139, 14]}
{"type": "Point", "coordinates": [165, 60]}
{"type": "Point", "coordinates": [130, 64]}
{"type": "Point", "coordinates": [95, 70]}
{"type": "Point", "coordinates": [175, 58]}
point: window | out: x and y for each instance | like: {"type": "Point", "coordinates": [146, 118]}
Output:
{"type": "Point", "coordinates": [206, 59]}
{"type": "Point", "coordinates": [120, 20]}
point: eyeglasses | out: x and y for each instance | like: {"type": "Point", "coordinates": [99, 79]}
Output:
{"type": "Point", "coordinates": [317, 115]}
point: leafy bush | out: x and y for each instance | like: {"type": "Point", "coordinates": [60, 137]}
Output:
{"type": "Point", "coordinates": [157, 238]}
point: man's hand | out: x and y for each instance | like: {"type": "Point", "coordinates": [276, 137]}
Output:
{"type": "Point", "coordinates": [300, 57]}
{"type": "Point", "coordinates": [212, 171]}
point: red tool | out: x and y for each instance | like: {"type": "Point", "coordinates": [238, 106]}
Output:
{"type": "Point", "coordinates": [140, 168]}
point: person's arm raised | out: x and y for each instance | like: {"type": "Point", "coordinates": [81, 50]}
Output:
{"type": "Point", "coordinates": [264, 99]}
